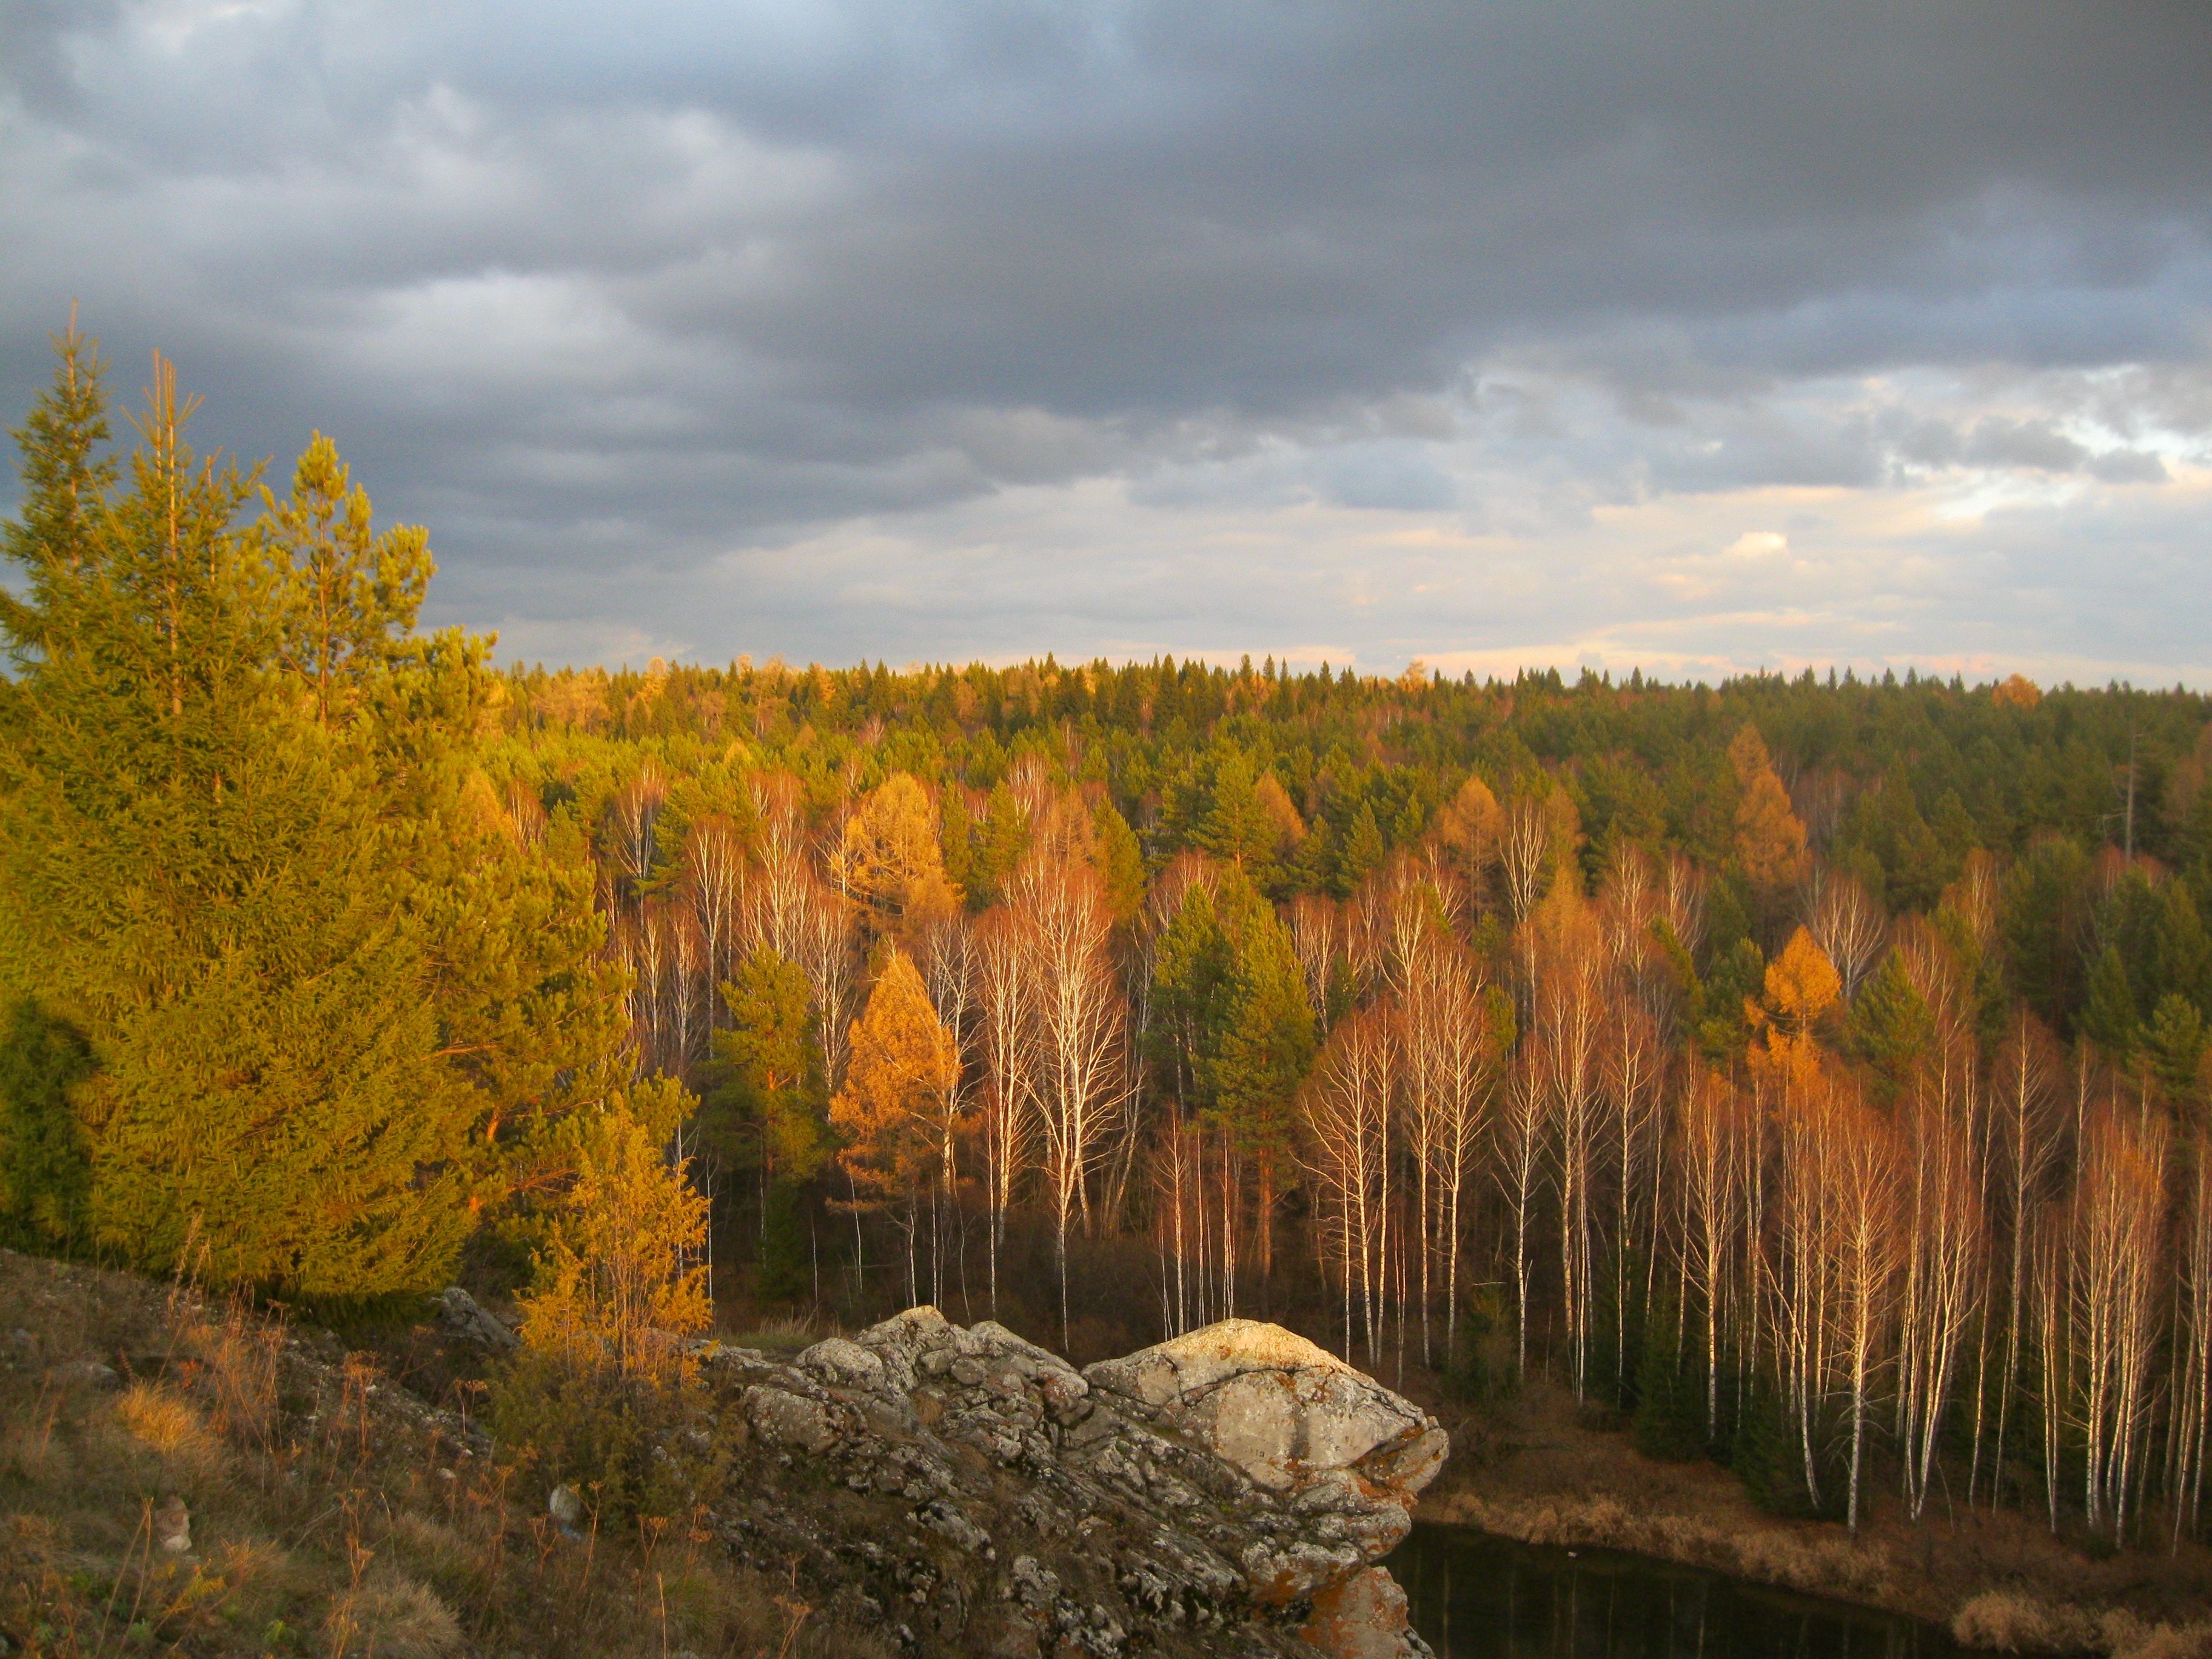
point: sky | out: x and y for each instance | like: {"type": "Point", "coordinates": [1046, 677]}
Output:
{"type": "Point", "coordinates": [1698, 338]}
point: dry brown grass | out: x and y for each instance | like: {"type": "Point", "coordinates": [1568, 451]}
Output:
{"type": "Point", "coordinates": [163, 1420]}
{"type": "Point", "coordinates": [2016, 1621]}
{"type": "Point", "coordinates": [1797, 1560]}
{"type": "Point", "coordinates": [1539, 1470]}
{"type": "Point", "coordinates": [332, 1514]}
{"type": "Point", "coordinates": [393, 1615]}
{"type": "Point", "coordinates": [2012, 1621]}
{"type": "Point", "coordinates": [787, 1334]}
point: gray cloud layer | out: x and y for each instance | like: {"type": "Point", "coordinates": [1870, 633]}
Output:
{"type": "Point", "coordinates": [1383, 330]}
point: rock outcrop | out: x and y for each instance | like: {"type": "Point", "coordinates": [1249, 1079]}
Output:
{"type": "Point", "coordinates": [1226, 1492]}
{"type": "Point", "coordinates": [461, 1314]}
{"type": "Point", "coordinates": [1338, 1446]}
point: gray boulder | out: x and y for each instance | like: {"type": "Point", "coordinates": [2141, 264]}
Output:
{"type": "Point", "coordinates": [1347, 1455]}
{"type": "Point", "coordinates": [969, 1492]}
{"type": "Point", "coordinates": [463, 1315]}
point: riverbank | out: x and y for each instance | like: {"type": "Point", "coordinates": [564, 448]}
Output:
{"type": "Point", "coordinates": [1543, 1469]}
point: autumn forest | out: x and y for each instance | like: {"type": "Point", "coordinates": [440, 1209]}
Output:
{"type": "Point", "coordinates": [1811, 1069]}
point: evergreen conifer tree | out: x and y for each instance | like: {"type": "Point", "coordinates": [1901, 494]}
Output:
{"type": "Point", "coordinates": [327, 996]}
{"type": "Point", "coordinates": [1890, 1026]}
{"type": "Point", "coordinates": [770, 1108]}
{"type": "Point", "coordinates": [1362, 851]}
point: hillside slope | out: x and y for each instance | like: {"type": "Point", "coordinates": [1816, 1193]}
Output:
{"type": "Point", "coordinates": [181, 1475]}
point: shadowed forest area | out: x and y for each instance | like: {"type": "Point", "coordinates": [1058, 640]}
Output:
{"type": "Point", "coordinates": [1811, 1070]}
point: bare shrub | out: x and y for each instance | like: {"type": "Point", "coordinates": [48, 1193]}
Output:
{"type": "Point", "coordinates": [2189, 1641]}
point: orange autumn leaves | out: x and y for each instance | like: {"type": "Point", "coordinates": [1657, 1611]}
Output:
{"type": "Point", "coordinates": [904, 1070]}
{"type": "Point", "coordinates": [1802, 985]}
{"type": "Point", "coordinates": [1770, 838]}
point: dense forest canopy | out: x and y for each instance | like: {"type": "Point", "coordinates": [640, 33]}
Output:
{"type": "Point", "coordinates": [1815, 1067]}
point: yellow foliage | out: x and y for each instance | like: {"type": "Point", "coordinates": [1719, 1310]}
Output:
{"type": "Point", "coordinates": [1801, 985]}
{"type": "Point", "coordinates": [1275, 801]}
{"type": "Point", "coordinates": [903, 1064]}
{"type": "Point", "coordinates": [2019, 691]}
{"type": "Point", "coordinates": [616, 1288]}
{"type": "Point", "coordinates": [162, 1420]}
{"type": "Point", "coordinates": [1770, 837]}
{"type": "Point", "coordinates": [891, 859]}
{"type": "Point", "coordinates": [1473, 822]}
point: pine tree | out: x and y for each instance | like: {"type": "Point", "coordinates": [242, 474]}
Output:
{"type": "Point", "coordinates": [1120, 861]}
{"type": "Point", "coordinates": [342, 598]}
{"type": "Point", "coordinates": [2176, 1040]}
{"type": "Point", "coordinates": [2109, 1018]}
{"type": "Point", "coordinates": [329, 1000]}
{"type": "Point", "coordinates": [2182, 953]}
{"type": "Point", "coordinates": [1191, 963]}
{"type": "Point", "coordinates": [1265, 1047]}
{"type": "Point", "coordinates": [45, 1165]}
{"type": "Point", "coordinates": [1000, 841]}
{"type": "Point", "coordinates": [769, 1109]}
{"type": "Point", "coordinates": [1362, 851]}
{"type": "Point", "coordinates": [1890, 1026]}
{"type": "Point", "coordinates": [1239, 829]}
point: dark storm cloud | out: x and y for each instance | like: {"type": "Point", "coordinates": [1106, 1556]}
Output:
{"type": "Point", "coordinates": [606, 297]}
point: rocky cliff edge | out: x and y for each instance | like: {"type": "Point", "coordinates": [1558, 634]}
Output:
{"type": "Point", "coordinates": [1227, 1492]}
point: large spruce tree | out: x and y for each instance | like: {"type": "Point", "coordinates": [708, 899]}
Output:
{"type": "Point", "coordinates": [331, 1003]}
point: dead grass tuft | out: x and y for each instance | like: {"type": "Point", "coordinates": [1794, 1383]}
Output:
{"type": "Point", "coordinates": [161, 1420]}
{"type": "Point", "coordinates": [394, 1616]}
{"type": "Point", "coordinates": [787, 1334]}
{"type": "Point", "coordinates": [2189, 1641]}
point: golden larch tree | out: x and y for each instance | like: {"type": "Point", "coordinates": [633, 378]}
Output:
{"type": "Point", "coordinates": [891, 862]}
{"type": "Point", "coordinates": [903, 1064]}
{"type": "Point", "coordinates": [1770, 836]}
{"type": "Point", "coordinates": [1802, 985]}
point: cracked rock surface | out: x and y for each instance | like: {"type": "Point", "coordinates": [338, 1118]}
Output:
{"type": "Point", "coordinates": [966, 1492]}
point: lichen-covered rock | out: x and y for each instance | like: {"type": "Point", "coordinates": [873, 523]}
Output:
{"type": "Point", "coordinates": [836, 1360]}
{"type": "Point", "coordinates": [1344, 1452]}
{"type": "Point", "coordinates": [463, 1315]}
{"type": "Point", "coordinates": [1280, 1408]}
{"type": "Point", "coordinates": [967, 1491]}
{"type": "Point", "coordinates": [785, 1419]}
{"type": "Point", "coordinates": [1363, 1617]}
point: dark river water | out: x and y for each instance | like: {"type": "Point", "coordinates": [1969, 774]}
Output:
{"type": "Point", "coordinates": [1475, 1597]}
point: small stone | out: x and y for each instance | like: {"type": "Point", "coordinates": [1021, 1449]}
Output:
{"type": "Point", "coordinates": [85, 1374]}
{"type": "Point", "coordinates": [565, 1505]}
{"type": "Point", "coordinates": [1066, 1393]}
{"type": "Point", "coordinates": [173, 1527]}
{"type": "Point", "coordinates": [1035, 1585]}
